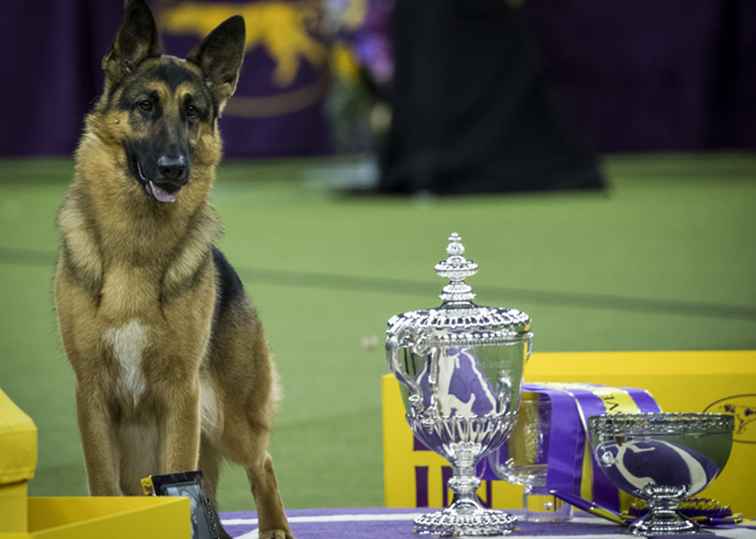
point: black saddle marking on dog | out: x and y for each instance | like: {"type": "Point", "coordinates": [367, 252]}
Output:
{"type": "Point", "coordinates": [230, 287]}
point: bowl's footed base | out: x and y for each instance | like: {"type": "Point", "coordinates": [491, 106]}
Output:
{"type": "Point", "coordinates": [476, 522]}
{"type": "Point", "coordinates": [665, 523]}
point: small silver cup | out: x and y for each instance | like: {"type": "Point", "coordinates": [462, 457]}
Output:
{"type": "Point", "coordinates": [526, 462]}
{"type": "Point", "coordinates": [662, 458]}
{"type": "Point", "coordinates": [460, 367]}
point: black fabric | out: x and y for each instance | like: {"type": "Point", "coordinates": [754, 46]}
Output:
{"type": "Point", "coordinates": [471, 112]}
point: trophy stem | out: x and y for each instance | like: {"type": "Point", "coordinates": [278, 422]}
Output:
{"type": "Point", "coordinates": [464, 483]}
{"type": "Point", "coordinates": [466, 516]}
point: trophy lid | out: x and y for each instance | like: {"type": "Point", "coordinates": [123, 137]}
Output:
{"type": "Point", "coordinates": [458, 320]}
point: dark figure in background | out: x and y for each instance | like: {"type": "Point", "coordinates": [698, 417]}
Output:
{"type": "Point", "coordinates": [470, 107]}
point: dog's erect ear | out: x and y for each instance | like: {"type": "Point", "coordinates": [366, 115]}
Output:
{"type": "Point", "coordinates": [136, 40]}
{"type": "Point", "coordinates": [220, 57]}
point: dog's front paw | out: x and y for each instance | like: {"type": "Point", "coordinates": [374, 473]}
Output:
{"type": "Point", "coordinates": [276, 534]}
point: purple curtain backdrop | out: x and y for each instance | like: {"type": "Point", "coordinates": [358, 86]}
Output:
{"type": "Point", "coordinates": [51, 77]}
{"type": "Point", "coordinates": [266, 117]}
{"type": "Point", "coordinates": [636, 75]}
{"type": "Point", "coordinates": [647, 75]}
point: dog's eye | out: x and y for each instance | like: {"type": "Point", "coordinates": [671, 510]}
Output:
{"type": "Point", "coordinates": [145, 105]}
{"type": "Point", "coordinates": [192, 112]}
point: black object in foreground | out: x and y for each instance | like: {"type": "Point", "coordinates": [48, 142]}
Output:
{"type": "Point", "coordinates": [205, 521]}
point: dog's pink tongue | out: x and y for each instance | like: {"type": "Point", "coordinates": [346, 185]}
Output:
{"type": "Point", "coordinates": [161, 194]}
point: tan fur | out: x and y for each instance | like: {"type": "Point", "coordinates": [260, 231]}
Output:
{"type": "Point", "coordinates": [136, 287]}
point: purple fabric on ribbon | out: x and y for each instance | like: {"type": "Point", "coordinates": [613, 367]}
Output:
{"type": "Point", "coordinates": [644, 400]}
{"type": "Point", "coordinates": [565, 435]}
{"type": "Point", "coordinates": [589, 405]}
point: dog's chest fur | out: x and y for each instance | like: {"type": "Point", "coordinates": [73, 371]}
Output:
{"type": "Point", "coordinates": [127, 344]}
{"type": "Point", "coordinates": [129, 292]}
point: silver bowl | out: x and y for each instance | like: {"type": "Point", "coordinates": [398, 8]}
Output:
{"type": "Point", "coordinates": [661, 458]}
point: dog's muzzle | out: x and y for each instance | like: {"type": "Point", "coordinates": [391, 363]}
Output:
{"type": "Point", "coordinates": [172, 175]}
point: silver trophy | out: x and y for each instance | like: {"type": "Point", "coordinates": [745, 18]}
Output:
{"type": "Point", "coordinates": [661, 458]}
{"type": "Point", "coordinates": [460, 367]}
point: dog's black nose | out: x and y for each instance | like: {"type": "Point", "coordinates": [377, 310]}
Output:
{"type": "Point", "coordinates": [172, 168]}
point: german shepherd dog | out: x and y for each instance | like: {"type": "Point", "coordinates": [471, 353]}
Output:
{"type": "Point", "coordinates": [171, 364]}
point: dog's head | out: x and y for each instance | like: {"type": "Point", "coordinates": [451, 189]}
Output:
{"type": "Point", "coordinates": [163, 110]}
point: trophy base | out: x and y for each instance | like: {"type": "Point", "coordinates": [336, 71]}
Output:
{"type": "Point", "coordinates": [454, 523]}
{"type": "Point", "coordinates": [665, 524]}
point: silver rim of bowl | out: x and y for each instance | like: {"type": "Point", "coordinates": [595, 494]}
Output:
{"type": "Point", "coordinates": [661, 423]}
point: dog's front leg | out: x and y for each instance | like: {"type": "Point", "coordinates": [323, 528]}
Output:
{"type": "Point", "coordinates": [180, 429]}
{"type": "Point", "coordinates": [100, 450]}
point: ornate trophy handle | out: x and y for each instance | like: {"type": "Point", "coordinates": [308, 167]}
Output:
{"type": "Point", "coordinates": [419, 343]}
{"type": "Point", "coordinates": [402, 338]}
{"type": "Point", "coordinates": [393, 346]}
{"type": "Point", "coordinates": [432, 352]}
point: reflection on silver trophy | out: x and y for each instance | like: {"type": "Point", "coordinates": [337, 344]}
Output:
{"type": "Point", "coordinates": [662, 458]}
{"type": "Point", "coordinates": [460, 367]}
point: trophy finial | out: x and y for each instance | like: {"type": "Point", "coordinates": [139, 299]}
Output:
{"type": "Point", "coordinates": [456, 268]}
{"type": "Point", "coordinates": [455, 246]}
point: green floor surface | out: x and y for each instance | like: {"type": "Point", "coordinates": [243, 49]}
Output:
{"type": "Point", "coordinates": [664, 260]}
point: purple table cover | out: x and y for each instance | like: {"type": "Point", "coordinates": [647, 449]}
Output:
{"type": "Point", "coordinates": [381, 523]}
